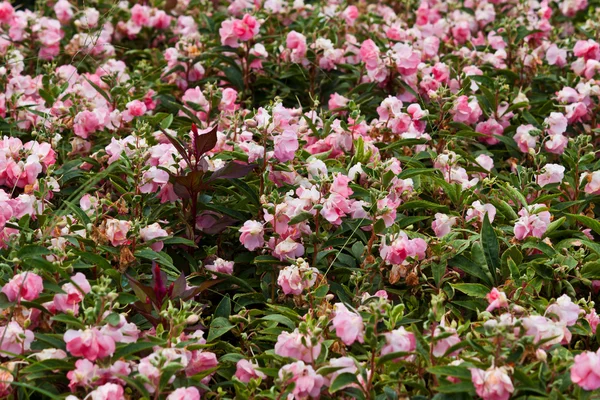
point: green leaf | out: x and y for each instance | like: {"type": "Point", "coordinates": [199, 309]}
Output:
{"type": "Point", "coordinates": [32, 251]}
{"type": "Point", "coordinates": [68, 320]}
{"type": "Point", "coordinates": [491, 248]}
{"type": "Point", "coordinates": [128, 349]}
{"type": "Point", "coordinates": [166, 122]}
{"type": "Point", "coordinates": [471, 289]}
{"type": "Point", "coordinates": [591, 270]}
{"type": "Point", "coordinates": [471, 268]}
{"type": "Point", "coordinates": [218, 327]}
{"type": "Point", "coordinates": [224, 308]}
{"type": "Point", "coordinates": [341, 381]}
{"type": "Point", "coordinates": [587, 221]}
{"type": "Point", "coordinates": [281, 319]}
{"type": "Point", "coordinates": [448, 370]}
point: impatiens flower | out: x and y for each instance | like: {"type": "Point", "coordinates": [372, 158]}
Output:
{"type": "Point", "coordinates": [442, 225]}
{"type": "Point", "coordinates": [14, 340]}
{"type": "Point", "coordinates": [200, 361]}
{"type": "Point", "coordinates": [298, 346]}
{"type": "Point", "coordinates": [152, 232]}
{"type": "Point", "coordinates": [531, 223]}
{"type": "Point", "coordinates": [525, 141]}
{"type": "Point", "coordinates": [25, 285]}
{"type": "Point", "coordinates": [74, 293]}
{"type": "Point", "coordinates": [402, 248]}
{"type": "Point", "coordinates": [286, 145]}
{"type": "Point", "coordinates": [108, 391]}
{"type": "Point", "coordinates": [466, 111]}
{"type": "Point", "coordinates": [294, 279]}
{"type": "Point", "coordinates": [497, 299]}
{"type": "Point", "coordinates": [307, 383]}
{"type": "Point", "coordinates": [544, 329]}
{"type": "Point", "coordinates": [585, 372]}
{"type": "Point", "coordinates": [566, 311]}
{"type": "Point", "coordinates": [89, 343]}
{"type": "Point", "coordinates": [252, 235]}
{"type": "Point", "coordinates": [245, 371]}
{"type": "Point", "coordinates": [444, 338]}
{"type": "Point", "coordinates": [348, 325]}
{"type": "Point", "coordinates": [116, 231]}
{"type": "Point", "coordinates": [221, 266]}
{"type": "Point", "coordinates": [492, 384]}
{"type": "Point", "coordinates": [593, 319]}
{"type": "Point", "coordinates": [189, 393]}
{"type": "Point", "coordinates": [399, 340]}
{"type": "Point", "coordinates": [551, 173]}
{"type": "Point", "coordinates": [288, 248]}
{"type": "Point", "coordinates": [593, 182]}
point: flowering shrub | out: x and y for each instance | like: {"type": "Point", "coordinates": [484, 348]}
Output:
{"type": "Point", "coordinates": [299, 199]}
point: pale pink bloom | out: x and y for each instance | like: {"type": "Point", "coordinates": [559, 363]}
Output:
{"type": "Point", "coordinates": [407, 59]}
{"type": "Point", "coordinates": [551, 173]}
{"type": "Point", "coordinates": [335, 208]}
{"type": "Point", "coordinates": [369, 54]}
{"type": "Point", "coordinates": [85, 374]}
{"type": "Point", "coordinates": [25, 285]}
{"type": "Point", "coordinates": [524, 139]}
{"type": "Point", "coordinates": [116, 231]}
{"type": "Point", "coordinates": [122, 332]}
{"type": "Point", "coordinates": [91, 344]}
{"type": "Point", "coordinates": [288, 248]}
{"type": "Point", "coordinates": [486, 162]}
{"type": "Point", "coordinates": [294, 279]}
{"type": "Point", "coordinates": [340, 185]}
{"type": "Point", "coordinates": [50, 354]}
{"type": "Point", "coordinates": [307, 383]}
{"type": "Point", "coordinates": [348, 325]}
{"type": "Point", "coordinates": [443, 224]}
{"type": "Point", "coordinates": [492, 384]}
{"type": "Point", "coordinates": [556, 144]}
{"type": "Point", "coordinates": [135, 108]}
{"type": "Point", "coordinates": [557, 123]}
{"type": "Point", "coordinates": [399, 340]}
{"type": "Point", "coordinates": [200, 361]}
{"type": "Point", "coordinates": [152, 232]}
{"type": "Point", "coordinates": [246, 28]}
{"type": "Point", "coordinates": [593, 319]}
{"type": "Point", "coordinates": [442, 345]}
{"type": "Point", "coordinates": [588, 49]}
{"type": "Point", "coordinates": [531, 224]}
{"type": "Point", "coordinates": [556, 56]}
{"type": "Point", "coordinates": [221, 266]}
{"type": "Point", "coordinates": [252, 235]}
{"type": "Point", "coordinates": [286, 145]}
{"type": "Point", "coordinates": [189, 393]}
{"type": "Point", "coordinates": [593, 182]}
{"type": "Point", "coordinates": [544, 329]}
{"type": "Point", "coordinates": [585, 371]}
{"type": "Point", "coordinates": [85, 123]}
{"type": "Point", "coordinates": [227, 34]}
{"type": "Point", "coordinates": [490, 129]}
{"type": "Point", "coordinates": [108, 391]}
{"type": "Point", "coordinates": [479, 210]}
{"type": "Point", "coordinates": [337, 101]}
{"type": "Point", "coordinates": [228, 99]}
{"type": "Point", "coordinates": [296, 43]}
{"type": "Point", "coordinates": [298, 346]}
{"type": "Point", "coordinates": [497, 299]}
{"type": "Point", "coordinates": [566, 311]}
{"type": "Point", "coordinates": [350, 15]}
{"type": "Point", "coordinates": [74, 293]}
{"type": "Point", "coordinates": [245, 371]}
{"type": "Point", "coordinates": [15, 340]}
{"type": "Point", "coordinates": [402, 248]}
{"type": "Point", "coordinates": [466, 111]}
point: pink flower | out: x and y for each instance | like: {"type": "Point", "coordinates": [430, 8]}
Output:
{"type": "Point", "coordinates": [566, 311]}
{"type": "Point", "coordinates": [593, 182]}
{"type": "Point", "coordinates": [135, 108]}
{"type": "Point", "coordinates": [466, 111]}
{"type": "Point", "coordinates": [588, 49]}
{"type": "Point", "coordinates": [544, 329]}
{"type": "Point", "coordinates": [556, 144]}
{"type": "Point", "coordinates": [307, 383]}
{"type": "Point", "coordinates": [442, 345]}
{"type": "Point", "coordinates": [337, 101]}
{"type": "Point", "coordinates": [524, 139]}
{"type": "Point", "coordinates": [252, 235]}
{"type": "Point", "coordinates": [402, 248]}
{"type": "Point", "coordinates": [296, 43]}
{"type": "Point", "coordinates": [497, 299]}
{"type": "Point", "coordinates": [585, 371]}
{"type": "Point", "coordinates": [340, 185]}
{"type": "Point", "coordinates": [348, 325]}
{"type": "Point", "coordinates": [15, 340]}
{"type": "Point", "coordinates": [201, 361]}
{"type": "Point", "coordinates": [490, 129]}
{"type": "Point", "coordinates": [246, 28]}
{"type": "Point", "coordinates": [74, 293]}
{"type": "Point", "coordinates": [227, 34]}
{"type": "Point", "coordinates": [108, 391]}
{"type": "Point", "coordinates": [593, 319]}
{"type": "Point", "coordinates": [152, 232]}
{"type": "Point", "coordinates": [493, 384]}
{"type": "Point", "coordinates": [189, 393]}
{"type": "Point", "coordinates": [298, 346]}
{"type": "Point", "coordinates": [122, 332]}
{"type": "Point", "coordinates": [551, 173]}
{"type": "Point", "coordinates": [116, 231]}
{"type": "Point", "coordinates": [294, 279]}
{"type": "Point", "coordinates": [286, 145]}
{"type": "Point", "coordinates": [228, 100]}
{"type": "Point", "coordinates": [443, 224]}
{"type": "Point", "coordinates": [91, 344]}
{"type": "Point", "coordinates": [6, 12]}
{"type": "Point", "coordinates": [531, 224]}
{"type": "Point", "coordinates": [557, 123]}
{"type": "Point", "coordinates": [245, 371]}
{"type": "Point", "coordinates": [350, 15]}
{"type": "Point", "coordinates": [221, 266]}
{"type": "Point", "coordinates": [288, 248]}
{"type": "Point", "coordinates": [399, 340]}
{"type": "Point", "coordinates": [84, 374]}
{"type": "Point", "coordinates": [25, 285]}
{"type": "Point", "coordinates": [556, 56]}
{"type": "Point", "coordinates": [369, 54]}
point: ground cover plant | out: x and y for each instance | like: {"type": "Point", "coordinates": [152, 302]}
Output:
{"type": "Point", "coordinates": [279, 199]}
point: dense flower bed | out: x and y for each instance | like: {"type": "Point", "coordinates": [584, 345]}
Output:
{"type": "Point", "coordinates": [299, 199]}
